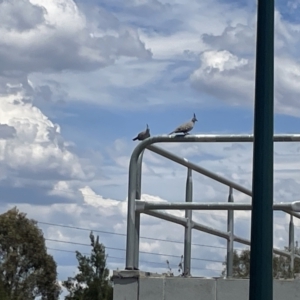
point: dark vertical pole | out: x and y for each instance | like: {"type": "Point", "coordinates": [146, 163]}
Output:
{"type": "Point", "coordinates": [261, 279]}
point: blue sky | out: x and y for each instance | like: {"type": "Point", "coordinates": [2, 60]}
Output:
{"type": "Point", "coordinates": [80, 79]}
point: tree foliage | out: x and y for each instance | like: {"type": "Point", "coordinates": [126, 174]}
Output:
{"type": "Point", "coordinates": [92, 282]}
{"type": "Point", "coordinates": [26, 270]}
{"type": "Point", "coordinates": [3, 293]}
{"type": "Point", "coordinates": [281, 265]}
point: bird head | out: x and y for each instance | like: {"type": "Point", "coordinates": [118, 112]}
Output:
{"type": "Point", "coordinates": [147, 127]}
{"type": "Point", "coordinates": [194, 118]}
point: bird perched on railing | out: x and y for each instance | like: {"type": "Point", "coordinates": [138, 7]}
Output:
{"type": "Point", "coordinates": [186, 127]}
{"type": "Point", "coordinates": [143, 135]}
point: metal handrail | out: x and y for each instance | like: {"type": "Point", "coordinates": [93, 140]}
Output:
{"type": "Point", "coordinates": [142, 206]}
{"type": "Point", "coordinates": [198, 169]}
{"type": "Point", "coordinates": [134, 193]}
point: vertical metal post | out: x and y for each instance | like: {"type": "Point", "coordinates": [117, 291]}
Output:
{"type": "Point", "coordinates": [230, 229]}
{"type": "Point", "coordinates": [261, 279]}
{"type": "Point", "coordinates": [137, 214]}
{"type": "Point", "coordinates": [131, 215]}
{"type": "Point", "coordinates": [292, 245]}
{"type": "Point", "coordinates": [188, 228]}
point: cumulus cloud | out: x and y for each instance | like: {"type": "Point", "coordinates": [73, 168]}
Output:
{"type": "Point", "coordinates": [20, 15]}
{"type": "Point", "coordinates": [37, 146]}
{"type": "Point", "coordinates": [287, 89]}
{"type": "Point", "coordinates": [229, 65]}
{"type": "Point", "coordinates": [59, 37]}
{"type": "Point", "coordinates": [239, 39]}
{"type": "Point", "coordinates": [51, 36]}
{"type": "Point", "coordinates": [231, 74]}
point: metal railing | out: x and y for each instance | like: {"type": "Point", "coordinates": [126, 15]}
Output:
{"type": "Point", "coordinates": [136, 206]}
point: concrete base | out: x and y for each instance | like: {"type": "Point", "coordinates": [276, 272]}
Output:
{"type": "Point", "coordinates": [137, 285]}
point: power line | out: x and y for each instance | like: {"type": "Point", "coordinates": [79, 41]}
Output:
{"type": "Point", "coordinates": [81, 228]}
{"type": "Point", "coordinates": [142, 237]}
{"type": "Point", "coordinates": [123, 258]}
{"type": "Point", "coordinates": [144, 252]}
{"type": "Point", "coordinates": [123, 234]}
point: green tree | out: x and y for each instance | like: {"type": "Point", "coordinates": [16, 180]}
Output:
{"type": "Point", "coordinates": [3, 293]}
{"type": "Point", "coordinates": [92, 282]}
{"type": "Point", "coordinates": [26, 270]}
{"type": "Point", "coordinates": [281, 264]}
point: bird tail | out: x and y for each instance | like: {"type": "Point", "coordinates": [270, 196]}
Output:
{"type": "Point", "coordinates": [135, 139]}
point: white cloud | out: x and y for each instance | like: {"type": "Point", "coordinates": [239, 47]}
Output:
{"type": "Point", "coordinates": [62, 40]}
{"type": "Point", "coordinates": [46, 41]}
{"type": "Point", "coordinates": [107, 207]}
{"type": "Point", "coordinates": [229, 65]}
{"type": "Point", "coordinates": [165, 47]}
{"type": "Point", "coordinates": [20, 15]}
{"type": "Point", "coordinates": [99, 87]}
{"type": "Point", "coordinates": [287, 87]}
{"type": "Point", "coordinates": [222, 60]}
{"type": "Point", "coordinates": [231, 74]}
{"type": "Point", "coordinates": [64, 189]}
{"type": "Point", "coordinates": [37, 146]}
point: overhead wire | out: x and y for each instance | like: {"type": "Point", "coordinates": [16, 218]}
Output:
{"type": "Point", "coordinates": [143, 252]}
{"type": "Point", "coordinates": [123, 258]}
{"type": "Point", "coordinates": [123, 234]}
{"type": "Point", "coordinates": [142, 237]}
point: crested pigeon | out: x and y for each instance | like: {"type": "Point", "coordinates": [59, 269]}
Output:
{"type": "Point", "coordinates": [143, 135]}
{"type": "Point", "coordinates": [185, 127]}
